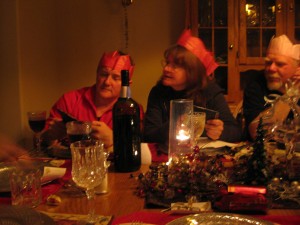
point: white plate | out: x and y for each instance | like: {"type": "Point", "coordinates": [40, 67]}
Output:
{"type": "Point", "coordinates": [218, 218]}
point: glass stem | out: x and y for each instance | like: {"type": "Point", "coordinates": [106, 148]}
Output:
{"type": "Point", "coordinates": [90, 193]}
{"type": "Point", "coordinates": [37, 142]}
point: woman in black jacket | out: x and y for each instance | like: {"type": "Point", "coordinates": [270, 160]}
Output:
{"type": "Point", "coordinates": [187, 73]}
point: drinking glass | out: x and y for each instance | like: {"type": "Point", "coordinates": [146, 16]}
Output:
{"type": "Point", "coordinates": [78, 130]}
{"type": "Point", "coordinates": [37, 122]}
{"type": "Point", "coordinates": [89, 167]}
{"type": "Point", "coordinates": [198, 123]}
{"type": "Point", "coordinates": [25, 186]}
{"type": "Point", "coordinates": [181, 130]}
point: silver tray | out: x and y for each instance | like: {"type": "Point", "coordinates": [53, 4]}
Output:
{"type": "Point", "coordinates": [218, 218]}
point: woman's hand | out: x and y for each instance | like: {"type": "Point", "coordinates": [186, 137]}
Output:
{"type": "Point", "coordinates": [102, 132]}
{"type": "Point", "coordinates": [214, 128]}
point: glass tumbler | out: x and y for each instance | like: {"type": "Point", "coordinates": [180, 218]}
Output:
{"type": "Point", "coordinates": [181, 129]}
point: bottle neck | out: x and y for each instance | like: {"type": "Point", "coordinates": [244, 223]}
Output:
{"type": "Point", "coordinates": [125, 92]}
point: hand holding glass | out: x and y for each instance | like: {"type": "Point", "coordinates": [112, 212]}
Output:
{"type": "Point", "coordinates": [78, 130]}
{"type": "Point", "coordinates": [88, 170]}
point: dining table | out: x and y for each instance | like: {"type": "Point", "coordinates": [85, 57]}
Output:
{"type": "Point", "coordinates": [121, 204]}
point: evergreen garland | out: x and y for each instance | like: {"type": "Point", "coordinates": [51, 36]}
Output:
{"type": "Point", "coordinates": [257, 168]}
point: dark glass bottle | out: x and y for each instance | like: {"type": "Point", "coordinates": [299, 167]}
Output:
{"type": "Point", "coordinates": [126, 130]}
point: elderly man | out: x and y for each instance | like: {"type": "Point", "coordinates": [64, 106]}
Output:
{"type": "Point", "coordinates": [94, 103]}
{"type": "Point", "coordinates": [282, 64]}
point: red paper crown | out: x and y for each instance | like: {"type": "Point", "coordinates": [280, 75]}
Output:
{"type": "Point", "coordinates": [115, 61]}
{"type": "Point", "coordinates": [197, 47]}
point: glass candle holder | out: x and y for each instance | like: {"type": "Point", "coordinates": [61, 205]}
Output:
{"type": "Point", "coordinates": [181, 129]}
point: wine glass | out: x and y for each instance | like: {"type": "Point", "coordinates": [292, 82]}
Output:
{"type": "Point", "coordinates": [198, 123]}
{"type": "Point", "coordinates": [89, 168]}
{"type": "Point", "coordinates": [37, 122]}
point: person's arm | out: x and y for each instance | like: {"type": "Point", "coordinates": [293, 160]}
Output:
{"type": "Point", "coordinates": [156, 123]}
{"type": "Point", "coordinates": [55, 127]}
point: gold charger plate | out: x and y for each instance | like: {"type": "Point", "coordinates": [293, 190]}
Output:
{"type": "Point", "coordinates": [218, 218]}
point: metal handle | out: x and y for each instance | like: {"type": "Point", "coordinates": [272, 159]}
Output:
{"type": "Point", "coordinates": [231, 46]}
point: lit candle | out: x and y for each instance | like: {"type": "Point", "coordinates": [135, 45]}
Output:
{"type": "Point", "coordinates": [182, 135]}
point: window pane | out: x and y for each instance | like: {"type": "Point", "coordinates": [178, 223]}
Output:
{"type": "Point", "coordinates": [297, 13]}
{"type": "Point", "coordinates": [204, 9]}
{"type": "Point", "coordinates": [220, 50]}
{"type": "Point", "coordinates": [268, 13]}
{"type": "Point", "coordinates": [266, 37]}
{"type": "Point", "coordinates": [221, 13]}
{"type": "Point", "coordinates": [297, 19]}
{"type": "Point", "coordinates": [253, 40]}
{"type": "Point", "coordinates": [297, 34]}
{"type": "Point", "coordinates": [206, 37]}
{"type": "Point", "coordinates": [253, 12]}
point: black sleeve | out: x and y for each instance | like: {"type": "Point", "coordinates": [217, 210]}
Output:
{"type": "Point", "coordinates": [253, 101]}
{"type": "Point", "coordinates": [156, 126]}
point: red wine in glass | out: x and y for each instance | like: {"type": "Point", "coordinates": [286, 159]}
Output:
{"type": "Point", "coordinates": [78, 130]}
{"type": "Point", "coordinates": [37, 125]}
{"type": "Point", "coordinates": [37, 122]}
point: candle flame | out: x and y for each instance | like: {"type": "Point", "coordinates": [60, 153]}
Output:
{"type": "Point", "coordinates": [182, 135]}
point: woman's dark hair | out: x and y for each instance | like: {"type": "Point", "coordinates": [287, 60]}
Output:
{"type": "Point", "coordinates": [195, 71]}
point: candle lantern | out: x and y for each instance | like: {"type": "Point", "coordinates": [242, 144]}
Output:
{"type": "Point", "coordinates": [181, 129]}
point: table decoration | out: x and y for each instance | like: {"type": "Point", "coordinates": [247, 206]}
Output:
{"type": "Point", "coordinates": [188, 207]}
{"type": "Point", "coordinates": [193, 175]}
{"type": "Point", "coordinates": [204, 176]}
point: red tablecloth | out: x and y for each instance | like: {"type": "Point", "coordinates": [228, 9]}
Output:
{"type": "Point", "coordinates": [160, 218]}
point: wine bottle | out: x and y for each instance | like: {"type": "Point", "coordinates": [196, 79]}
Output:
{"type": "Point", "coordinates": [126, 130]}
